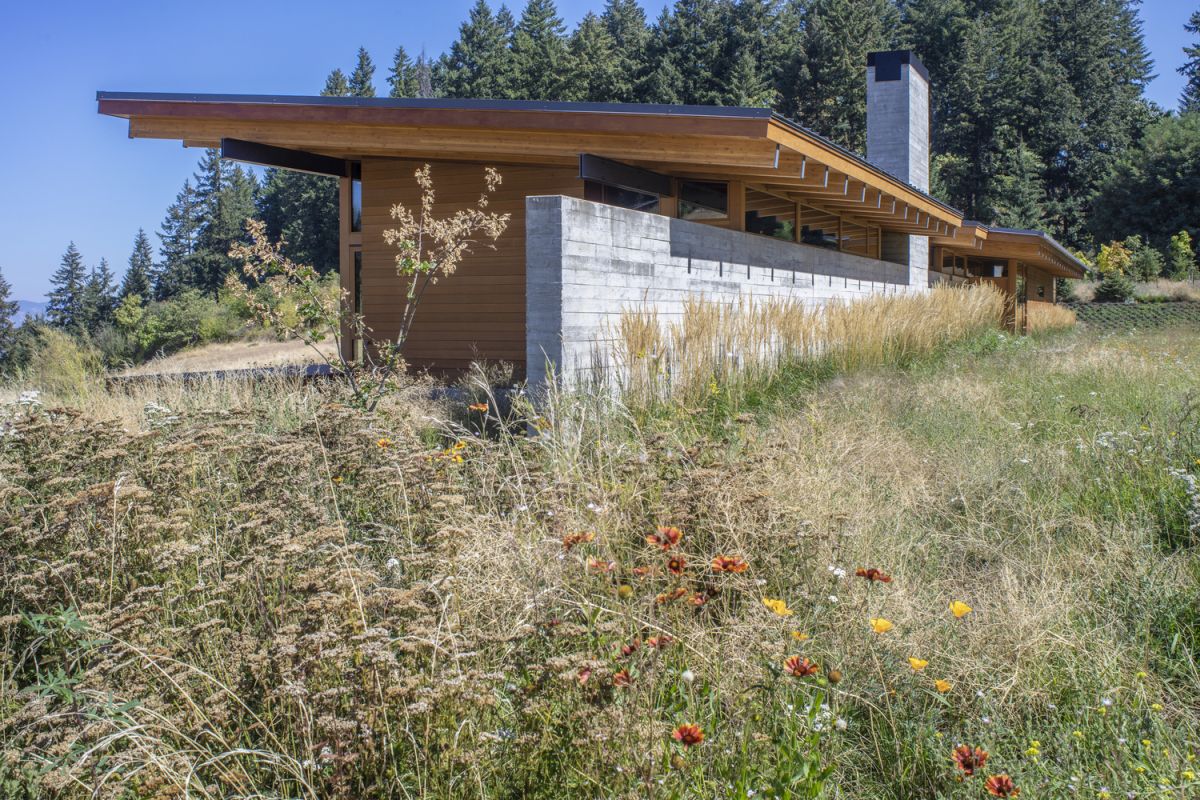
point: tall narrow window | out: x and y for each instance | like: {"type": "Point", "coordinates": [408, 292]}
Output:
{"type": "Point", "coordinates": [356, 205]}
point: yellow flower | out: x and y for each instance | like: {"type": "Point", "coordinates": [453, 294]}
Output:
{"type": "Point", "coordinates": [917, 664]}
{"type": "Point", "coordinates": [943, 686]}
{"type": "Point", "coordinates": [1188, 775]}
{"type": "Point", "coordinates": [1141, 676]}
{"type": "Point", "coordinates": [800, 636]}
{"type": "Point", "coordinates": [1077, 734]}
{"type": "Point", "coordinates": [779, 607]}
{"type": "Point", "coordinates": [338, 479]}
{"type": "Point", "coordinates": [1102, 711]}
{"type": "Point", "coordinates": [1156, 707]}
{"type": "Point", "coordinates": [959, 609]}
{"type": "Point", "coordinates": [1139, 769]}
{"type": "Point", "coordinates": [383, 443]}
{"type": "Point", "coordinates": [881, 625]}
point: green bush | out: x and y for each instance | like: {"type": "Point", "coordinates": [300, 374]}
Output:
{"type": "Point", "coordinates": [60, 364]}
{"type": "Point", "coordinates": [1114, 287]}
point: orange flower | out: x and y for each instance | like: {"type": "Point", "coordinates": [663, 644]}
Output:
{"type": "Point", "coordinates": [969, 760]}
{"type": "Point", "coordinates": [728, 564]}
{"type": "Point", "coordinates": [959, 609]}
{"type": "Point", "coordinates": [676, 564]}
{"type": "Point", "coordinates": [881, 625]}
{"type": "Point", "coordinates": [698, 599]}
{"type": "Point", "coordinates": [671, 596]}
{"type": "Point", "coordinates": [600, 565]}
{"type": "Point", "coordinates": [642, 572]}
{"type": "Point", "coordinates": [659, 641]}
{"type": "Point", "coordinates": [943, 686]}
{"type": "Point", "coordinates": [834, 676]}
{"type": "Point", "coordinates": [1001, 786]}
{"type": "Point", "coordinates": [622, 678]}
{"type": "Point", "coordinates": [583, 675]}
{"type": "Point", "coordinates": [384, 443]}
{"type": "Point", "coordinates": [572, 539]}
{"type": "Point", "coordinates": [688, 735]}
{"type": "Point", "coordinates": [873, 575]}
{"type": "Point", "coordinates": [480, 407]}
{"type": "Point", "coordinates": [799, 667]}
{"type": "Point", "coordinates": [665, 538]}
{"type": "Point", "coordinates": [629, 649]}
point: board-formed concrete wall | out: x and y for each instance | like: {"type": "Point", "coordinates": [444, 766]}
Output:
{"type": "Point", "coordinates": [588, 262]}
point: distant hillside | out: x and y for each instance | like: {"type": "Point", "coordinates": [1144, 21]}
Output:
{"type": "Point", "coordinates": [28, 308]}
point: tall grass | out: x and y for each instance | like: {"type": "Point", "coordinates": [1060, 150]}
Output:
{"type": "Point", "coordinates": [726, 347]}
{"type": "Point", "coordinates": [1042, 317]}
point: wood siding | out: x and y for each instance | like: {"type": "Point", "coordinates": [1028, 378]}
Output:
{"type": "Point", "coordinates": [479, 312]}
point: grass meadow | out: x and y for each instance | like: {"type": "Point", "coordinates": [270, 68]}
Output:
{"type": "Point", "coordinates": [937, 567]}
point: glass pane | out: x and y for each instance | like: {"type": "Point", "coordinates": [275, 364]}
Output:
{"type": "Point", "coordinates": [356, 205]}
{"type": "Point", "coordinates": [700, 200]}
{"type": "Point", "coordinates": [628, 198]}
{"type": "Point", "coordinates": [818, 227]}
{"type": "Point", "coordinates": [769, 215]}
{"type": "Point", "coordinates": [855, 239]}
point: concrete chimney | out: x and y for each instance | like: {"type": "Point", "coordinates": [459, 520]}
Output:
{"type": "Point", "coordinates": [898, 142]}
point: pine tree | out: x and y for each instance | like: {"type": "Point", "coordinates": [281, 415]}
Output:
{"type": "Point", "coordinates": [687, 54]}
{"type": "Point", "coordinates": [594, 76]}
{"type": "Point", "coordinates": [479, 63]}
{"type": "Point", "coordinates": [8, 330]}
{"type": "Point", "coordinates": [302, 210]}
{"type": "Point", "coordinates": [226, 210]}
{"type": "Point", "coordinates": [402, 77]}
{"type": "Point", "coordinates": [425, 77]}
{"type": "Point", "coordinates": [1181, 259]}
{"type": "Point", "coordinates": [65, 308]}
{"type": "Point", "coordinates": [1190, 101]}
{"type": "Point", "coordinates": [178, 236]}
{"type": "Point", "coordinates": [336, 85]}
{"type": "Point", "coordinates": [99, 298]}
{"type": "Point", "coordinates": [362, 80]}
{"type": "Point", "coordinates": [539, 50]}
{"type": "Point", "coordinates": [626, 24]}
{"type": "Point", "coordinates": [139, 274]}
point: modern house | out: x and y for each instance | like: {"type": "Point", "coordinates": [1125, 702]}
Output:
{"type": "Point", "coordinates": [619, 205]}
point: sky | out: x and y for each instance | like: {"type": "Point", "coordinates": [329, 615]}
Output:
{"type": "Point", "coordinates": [72, 175]}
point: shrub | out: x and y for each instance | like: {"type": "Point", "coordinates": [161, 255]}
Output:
{"type": "Point", "coordinates": [1114, 287]}
{"type": "Point", "coordinates": [61, 364]}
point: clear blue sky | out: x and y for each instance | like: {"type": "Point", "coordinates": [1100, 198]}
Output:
{"type": "Point", "coordinates": [71, 174]}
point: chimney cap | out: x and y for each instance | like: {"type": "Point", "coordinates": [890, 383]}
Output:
{"type": "Point", "coordinates": [887, 64]}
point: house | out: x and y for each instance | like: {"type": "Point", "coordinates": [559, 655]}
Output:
{"type": "Point", "coordinates": [616, 205]}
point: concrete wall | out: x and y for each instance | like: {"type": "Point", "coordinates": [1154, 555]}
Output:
{"type": "Point", "coordinates": [587, 262]}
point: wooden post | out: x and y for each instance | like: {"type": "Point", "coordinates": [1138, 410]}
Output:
{"type": "Point", "coordinates": [346, 266]}
{"type": "Point", "coordinates": [1010, 292]}
{"type": "Point", "coordinates": [737, 205]}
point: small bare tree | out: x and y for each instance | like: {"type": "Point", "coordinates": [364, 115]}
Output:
{"type": "Point", "coordinates": [429, 248]}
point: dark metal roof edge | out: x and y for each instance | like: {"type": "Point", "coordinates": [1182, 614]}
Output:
{"type": "Point", "coordinates": [648, 109]}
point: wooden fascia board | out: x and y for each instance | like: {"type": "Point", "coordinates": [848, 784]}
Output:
{"type": "Point", "coordinates": [819, 151]}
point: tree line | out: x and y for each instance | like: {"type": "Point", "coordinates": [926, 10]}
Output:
{"type": "Point", "coordinates": [1039, 117]}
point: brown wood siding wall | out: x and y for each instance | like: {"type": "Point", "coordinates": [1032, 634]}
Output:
{"type": "Point", "coordinates": [479, 312]}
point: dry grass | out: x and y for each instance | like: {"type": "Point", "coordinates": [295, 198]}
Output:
{"type": "Point", "coordinates": [1181, 291]}
{"type": "Point", "coordinates": [322, 603]}
{"type": "Point", "coordinates": [1042, 317]}
{"type": "Point", "coordinates": [242, 354]}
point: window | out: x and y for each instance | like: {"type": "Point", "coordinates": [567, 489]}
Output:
{"type": "Point", "coordinates": [770, 215]}
{"type": "Point", "coordinates": [622, 198]}
{"type": "Point", "coordinates": [703, 200]}
{"type": "Point", "coordinates": [856, 238]}
{"type": "Point", "coordinates": [818, 227]}
{"type": "Point", "coordinates": [356, 205]}
{"type": "Point", "coordinates": [984, 268]}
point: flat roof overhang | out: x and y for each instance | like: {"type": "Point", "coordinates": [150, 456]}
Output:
{"type": "Point", "coordinates": [727, 143]}
{"type": "Point", "coordinates": [754, 145]}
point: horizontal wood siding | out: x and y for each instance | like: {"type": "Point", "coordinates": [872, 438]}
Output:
{"type": "Point", "coordinates": [479, 312]}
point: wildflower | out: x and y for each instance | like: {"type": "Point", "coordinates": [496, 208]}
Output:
{"type": "Point", "coordinates": [688, 735]}
{"type": "Point", "coordinates": [583, 675]}
{"type": "Point", "coordinates": [658, 641]}
{"type": "Point", "coordinates": [917, 664]}
{"type": "Point", "coordinates": [600, 565]}
{"type": "Point", "coordinates": [572, 539]}
{"type": "Point", "coordinates": [969, 760]}
{"type": "Point", "coordinates": [881, 625]}
{"type": "Point", "coordinates": [837, 571]}
{"type": "Point", "coordinates": [384, 443]}
{"type": "Point", "coordinates": [1156, 707]}
{"type": "Point", "coordinates": [959, 609]}
{"type": "Point", "coordinates": [622, 678]}
{"type": "Point", "coordinates": [629, 649]}
{"type": "Point", "coordinates": [642, 572]}
{"type": "Point", "coordinates": [723, 563]}
{"type": "Point", "coordinates": [676, 564]}
{"type": "Point", "coordinates": [393, 563]}
{"type": "Point", "coordinates": [698, 599]}
{"type": "Point", "coordinates": [687, 676]}
{"type": "Point", "coordinates": [671, 596]}
{"type": "Point", "coordinates": [1077, 734]}
{"type": "Point", "coordinates": [1188, 775]}
{"type": "Point", "coordinates": [800, 636]}
{"type": "Point", "coordinates": [834, 676]}
{"type": "Point", "coordinates": [1034, 749]}
{"type": "Point", "coordinates": [840, 724]}
{"type": "Point", "coordinates": [873, 575]}
{"type": "Point", "coordinates": [665, 537]}
{"type": "Point", "coordinates": [1001, 786]}
{"type": "Point", "coordinates": [943, 686]}
{"type": "Point", "coordinates": [624, 591]}
{"type": "Point", "coordinates": [833, 598]}
{"type": "Point", "coordinates": [338, 479]}
{"type": "Point", "coordinates": [799, 667]}
{"type": "Point", "coordinates": [779, 607]}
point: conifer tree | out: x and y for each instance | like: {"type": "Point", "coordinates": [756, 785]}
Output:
{"type": "Point", "coordinates": [65, 308]}
{"type": "Point", "coordinates": [593, 76]}
{"type": "Point", "coordinates": [178, 236]}
{"type": "Point", "coordinates": [362, 79]}
{"type": "Point", "coordinates": [98, 297]}
{"type": "Point", "coordinates": [541, 60]}
{"type": "Point", "coordinates": [1190, 101]}
{"type": "Point", "coordinates": [8, 329]}
{"type": "Point", "coordinates": [139, 274]}
{"type": "Point", "coordinates": [336, 85]}
{"type": "Point", "coordinates": [479, 63]}
{"type": "Point", "coordinates": [226, 209]}
{"type": "Point", "coordinates": [402, 77]}
{"type": "Point", "coordinates": [687, 54]}
{"type": "Point", "coordinates": [626, 24]}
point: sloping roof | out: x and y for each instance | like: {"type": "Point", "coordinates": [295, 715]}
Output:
{"type": "Point", "coordinates": [755, 145]}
